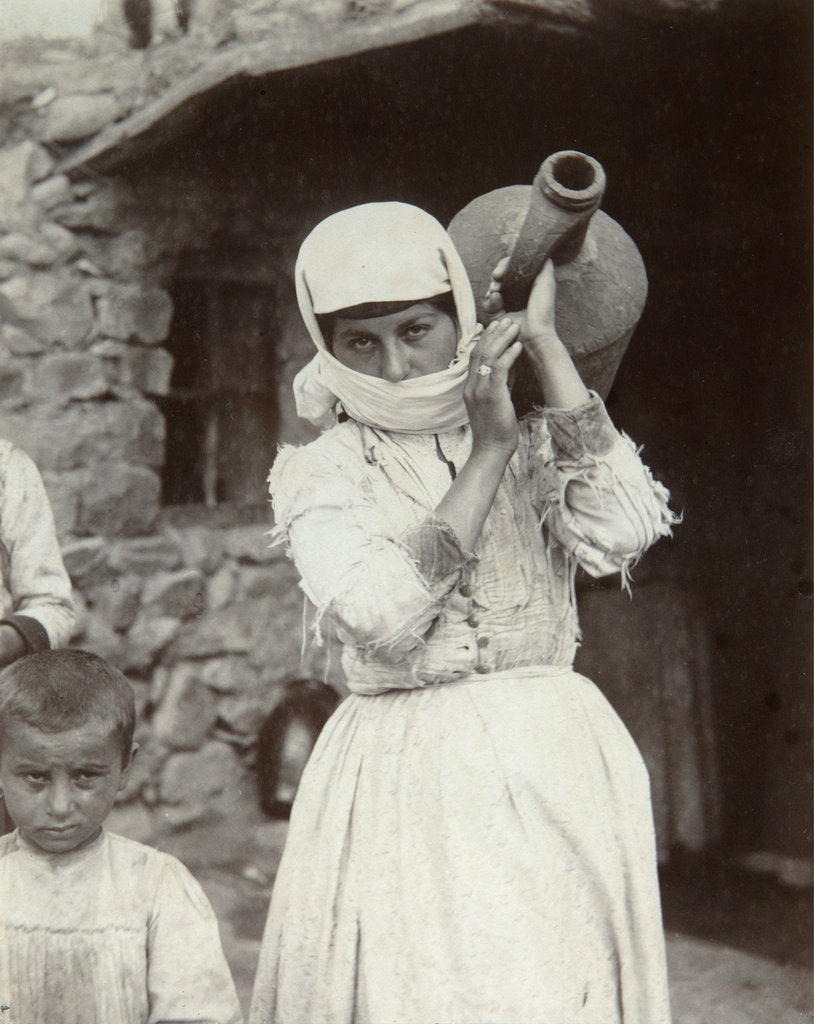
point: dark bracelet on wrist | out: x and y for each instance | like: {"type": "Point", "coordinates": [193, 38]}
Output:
{"type": "Point", "coordinates": [31, 631]}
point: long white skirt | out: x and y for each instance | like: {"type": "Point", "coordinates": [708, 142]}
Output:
{"type": "Point", "coordinates": [479, 851]}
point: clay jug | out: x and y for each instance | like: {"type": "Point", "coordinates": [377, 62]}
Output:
{"type": "Point", "coordinates": [601, 280]}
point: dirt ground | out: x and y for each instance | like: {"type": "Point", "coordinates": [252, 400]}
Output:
{"type": "Point", "coordinates": [739, 943]}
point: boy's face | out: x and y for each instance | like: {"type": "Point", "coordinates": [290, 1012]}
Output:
{"type": "Point", "coordinates": [59, 787]}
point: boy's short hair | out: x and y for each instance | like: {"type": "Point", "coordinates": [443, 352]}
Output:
{"type": "Point", "coordinates": [62, 689]}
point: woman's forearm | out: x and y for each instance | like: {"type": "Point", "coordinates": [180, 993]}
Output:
{"type": "Point", "coordinates": [466, 504]}
{"type": "Point", "coordinates": [557, 376]}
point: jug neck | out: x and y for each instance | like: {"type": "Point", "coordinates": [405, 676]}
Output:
{"type": "Point", "coordinates": [566, 192]}
{"type": "Point", "coordinates": [575, 183]}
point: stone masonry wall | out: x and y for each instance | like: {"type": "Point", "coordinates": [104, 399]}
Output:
{"type": "Point", "coordinates": [203, 617]}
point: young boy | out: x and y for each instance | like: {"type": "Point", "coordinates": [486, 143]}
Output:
{"type": "Point", "coordinates": [94, 928]}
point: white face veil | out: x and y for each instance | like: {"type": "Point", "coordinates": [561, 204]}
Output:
{"type": "Point", "coordinates": [381, 252]}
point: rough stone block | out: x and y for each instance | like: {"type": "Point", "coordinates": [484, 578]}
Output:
{"type": "Point", "coordinates": [85, 434]}
{"type": "Point", "coordinates": [148, 370]}
{"type": "Point", "coordinates": [18, 342]}
{"type": "Point", "coordinates": [145, 555]}
{"type": "Point", "coordinates": [51, 245]}
{"type": "Point", "coordinates": [40, 162]}
{"type": "Point", "coordinates": [63, 243]}
{"type": "Point", "coordinates": [140, 428]}
{"type": "Point", "coordinates": [67, 376]}
{"type": "Point", "coordinates": [180, 594]}
{"type": "Point", "coordinates": [276, 640]}
{"type": "Point", "coordinates": [133, 821]}
{"type": "Point", "coordinates": [122, 256]}
{"type": "Point", "coordinates": [71, 118]}
{"type": "Point", "coordinates": [111, 351]}
{"type": "Point", "coordinates": [120, 500]}
{"type": "Point", "coordinates": [201, 547]}
{"type": "Point", "coordinates": [280, 584]}
{"type": "Point", "coordinates": [255, 581]}
{"type": "Point", "coordinates": [55, 307]}
{"type": "Point", "coordinates": [22, 216]}
{"type": "Point", "coordinates": [244, 714]}
{"type": "Point", "coordinates": [229, 675]}
{"type": "Point", "coordinates": [141, 693]}
{"type": "Point", "coordinates": [151, 371]}
{"type": "Point", "coordinates": [117, 600]}
{"type": "Point", "coordinates": [44, 97]}
{"type": "Point", "coordinates": [159, 681]}
{"type": "Point", "coordinates": [221, 587]}
{"type": "Point", "coordinates": [187, 712]}
{"type": "Point", "coordinates": [84, 187]}
{"type": "Point", "coordinates": [276, 633]}
{"type": "Point", "coordinates": [97, 212]}
{"type": "Point", "coordinates": [12, 377]}
{"type": "Point", "coordinates": [146, 640]}
{"type": "Point", "coordinates": [98, 636]}
{"type": "Point", "coordinates": [250, 544]}
{"type": "Point", "coordinates": [63, 494]}
{"type": "Point", "coordinates": [52, 192]}
{"type": "Point", "coordinates": [209, 778]}
{"type": "Point", "coordinates": [20, 166]}
{"type": "Point", "coordinates": [227, 631]}
{"type": "Point", "coordinates": [85, 560]}
{"type": "Point", "coordinates": [127, 311]}
{"type": "Point", "coordinates": [17, 246]}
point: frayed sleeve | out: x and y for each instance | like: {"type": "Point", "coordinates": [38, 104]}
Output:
{"type": "Point", "coordinates": [382, 589]}
{"type": "Point", "coordinates": [592, 490]}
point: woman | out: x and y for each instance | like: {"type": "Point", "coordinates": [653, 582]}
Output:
{"type": "Point", "coordinates": [472, 837]}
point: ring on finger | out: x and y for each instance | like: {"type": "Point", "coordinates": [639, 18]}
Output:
{"type": "Point", "coordinates": [484, 370]}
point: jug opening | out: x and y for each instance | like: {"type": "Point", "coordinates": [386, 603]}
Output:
{"type": "Point", "coordinates": [573, 173]}
{"type": "Point", "coordinates": [572, 180]}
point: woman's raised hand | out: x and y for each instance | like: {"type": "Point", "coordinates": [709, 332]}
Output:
{"type": "Point", "coordinates": [495, 433]}
{"type": "Point", "coordinates": [486, 394]}
{"type": "Point", "coordinates": [556, 374]}
{"type": "Point", "coordinates": [537, 320]}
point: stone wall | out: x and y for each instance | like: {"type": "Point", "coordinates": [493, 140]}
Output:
{"type": "Point", "coordinates": [192, 604]}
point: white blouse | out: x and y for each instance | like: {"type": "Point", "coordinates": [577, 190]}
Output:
{"type": "Point", "coordinates": [410, 607]}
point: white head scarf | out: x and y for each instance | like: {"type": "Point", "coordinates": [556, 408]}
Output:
{"type": "Point", "coordinates": [381, 252]}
